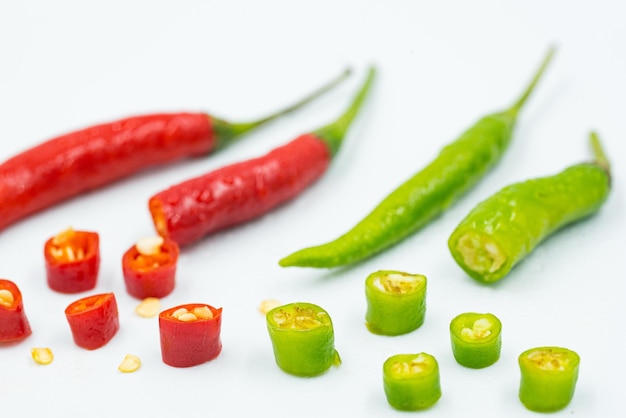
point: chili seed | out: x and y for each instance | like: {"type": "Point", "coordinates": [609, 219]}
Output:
{"type": "Point", "coordinates": [149, 245]}
{"type": "Point", "coordinates": [148, 307]}
{"type": "Point", "coordinates": [42, 355]}
{"type": "Point", "coordinates": [268, 305]}
{"type": "Point", "coordinates": [63, 237]}
{"type": "Point", "coordinates": [6, 297]}
{"type": "Point", "coordinates": [130, 364]}
{"type": "Point", "coordinates": [203, 312]}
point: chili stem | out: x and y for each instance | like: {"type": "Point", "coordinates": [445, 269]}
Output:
{"type": "Point", "coordinates": [333, 133]}
{"type": "Point", "coordinates": [529, 89]}
{"type": "Point", "coordinates": [227, 132]}
{"type": "Point", "coordinates": [601, 159]}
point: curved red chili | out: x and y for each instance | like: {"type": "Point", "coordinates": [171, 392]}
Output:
{"type": "Point", "coordinates": [190, 334]}
{"type": "Point", "coordinates": [93, 320]}
{"type": "Point", "coordinates": [80, 161]}
{"type": "Point", "coordinates": [14, 325]}
{"type": "Point", "coordinates": [149, 268]}
{"type": "Point", "coordinates": [72, 261]}
{"type": "Point", "coordinates": [242, 191]}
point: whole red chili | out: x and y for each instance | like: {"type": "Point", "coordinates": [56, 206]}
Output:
{"type": "Point", "coordinates": [80, 161]}
{"type": "Point", "coordinates": [190, 334]}
{"type": "Point", "coordinates": [72, 261]}
{"type": "Point", "coordinates": [14, 325]}
{"type": "Point", "coordinates": [240, 192]}
{"type": "Point", "coordinates": [149, 267]}
{"type": "Point", "coordinates": [93, 320]}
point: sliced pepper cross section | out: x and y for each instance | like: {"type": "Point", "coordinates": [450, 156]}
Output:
{"type": "Point", "coordinates": [476, 339]}
{"type": "Point", "coordinates": [411, 381]}
{"type": "Point", "coordinates": [93, 320]}
{"type": "Point", "coordinates": [14, 325]}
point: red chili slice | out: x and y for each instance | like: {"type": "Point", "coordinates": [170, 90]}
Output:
{"type": "Point", "coordinates": [93, 320]}
{"type": "Point", "coordinates": [190, 334]}
{"type": "Point", "coordinates": [14, 325]}
{"type": "Point", "coordinates": [150, 273]}
{"type": "Point", "coordinates": [72, 261]}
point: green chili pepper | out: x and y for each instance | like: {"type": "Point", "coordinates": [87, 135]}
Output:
{"type": "Point", "coordinates": [424, 196]}
{"type": "Point", "coordinates": [302, 338]}
{"type": "Point", "coordinates": [503, 229]}
{"type": "Point", "coordinates": [548, 378]}
{"type": "Point", "coordinates": [411, 381]}
{"type": "Point", "coordinates": [476, 339]}
{"type": "Point", "coordinates": [396, 302]}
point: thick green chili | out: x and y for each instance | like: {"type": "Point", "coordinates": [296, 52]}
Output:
{"type": "Point", "coordinates": [503, 229]}
{"type": "Point", "coordinates": [476, 339]}
{"type": "Point", "coordinates": [424, 196]}
{"type": "Point", "coordinates": [411, 381]}
{"type": "Point", "coordinates": [302, 339]}
{"type": "Point", "coordinates": [548, 378]}
{"type": "Point", "coordinates": [396, 302]}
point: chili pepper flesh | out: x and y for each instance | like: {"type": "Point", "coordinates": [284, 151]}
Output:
{"type": "Point", "coordinates": [505, 228]}
{"type": "Point", "coordinates": [476, 339]}
{"type": "Point", "coordinates": [149, 268]}
{"type": "Point", "coordinates": [72, 260]}
{"type": "Point", "coordinates": [93, 320]}
{"type": "Point", "coordinates": [424, 196]}
{"type": "Point", "coordinates": [240, 192]}
{"type": "Point", "coordinates": [302, 339]}
{"type": "Point", "coordinates": [81, 161]}
{"type": "Point", "coordinates": [14, 325]}
{"type": "Point", "coordinates": [396, 302]}
{"type": "Point", "coordinates": [190, 334]}
{"type": "Point", "coordinates": [411, 381]}
{"type": "Point", "coordinates": [548, 378]}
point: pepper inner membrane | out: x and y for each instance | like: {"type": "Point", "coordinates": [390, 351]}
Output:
{"type": "Point", "coordinates": [397, 283]}
{"type": "Point", "coordinates": [480, 253]}
{"type": "Point", "coordinates": [419, 364]}
{"type": "Point", "coordinates": [300, 318]}
{"type": "Point", "coordinates": [549, 360]}
{"type": "Point", "coordinates": [6, 298]}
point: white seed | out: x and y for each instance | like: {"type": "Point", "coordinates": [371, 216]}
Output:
{"type": "Point", "coordinates": [130, 364]}
{"type": "Point", "coordinates": [6, 297]}
{"type": "Point", "coordinates": [42, 355]}
{"type": "Point", "coordinates": [149, 245]}
{"type": "Point", "coordinates": [187, 317]}
{"type": "Point", "coordinates": [179, 312]}
{"type": "Point", "coordinates": [148, 307]}
{"type": "Point", "coordinates": [268, 305]}
{"type": "Point", "coordinates": [203, 312]}
{"type": "Point", "coordinates": [63, 236]}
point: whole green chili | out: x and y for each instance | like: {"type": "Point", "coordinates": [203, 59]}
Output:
{"type": "Point", "coordinates": [476, 339]}
{"type": "Point", "coordinates": [548, 378]}
{"type": "Point", "coordinates": [396, 302]}
{"type": "Point", "coordinates": [503, 229]}
{"type": "Point", "coordinates": [411, 381]}
{"type": "Point", "coordinates": [302, 339]}
{"type": "Point", "coordinates": [424, 196]}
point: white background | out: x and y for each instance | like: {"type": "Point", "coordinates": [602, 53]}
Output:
{"type": "Point", "coordinates": [442, 65]}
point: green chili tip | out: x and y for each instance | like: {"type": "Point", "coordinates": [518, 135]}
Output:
{"type": "Point", "coordinates": [529, 89]}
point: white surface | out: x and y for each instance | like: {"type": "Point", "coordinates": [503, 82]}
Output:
{"type": "Point", "coordinates": [69, 64]}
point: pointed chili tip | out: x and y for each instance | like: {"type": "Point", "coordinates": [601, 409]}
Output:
{"type": "Point", "coordinates": [531, 86]}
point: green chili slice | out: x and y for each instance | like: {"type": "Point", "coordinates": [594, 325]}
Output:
{"type": "Point", "coordinates": [476, 339]}
{"type": "Point", "coordinates": [302, 339]}
{"type": "Point", "coordinates": [396, 302]}
{"type": "Point", "coordinates": [503, 229]}
{"type": "Point", "coordinates": [548, 378]}
{"type": "Point", "coordinates": [425, 195]}
{"type": "Point", "coordinates": [411, 381]}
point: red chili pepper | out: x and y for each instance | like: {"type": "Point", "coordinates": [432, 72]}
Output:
{"type": "Point", "coordinates": [80, 161]}
{"type": "Point", "coordinates": [14, 325]}
{"type": "Point", "coordinates": [72, 261]}
{"type": "Point", "coordinates": [93, 320]}
{"type": "Point", "coordinates": [190, 334]}
{"type": "Point", "coordinates": [240, 192]}
{"type": "Point", "coordinates": [149, 268]}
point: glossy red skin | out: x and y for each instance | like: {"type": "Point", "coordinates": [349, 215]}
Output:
{"type": "Point", "coordinates": [94, 326]}
{"type": "Point", "coordinates": [238, 192]}
{"type": "Point", "coordinates": [155, 282]}
{"type": "Point", "coordinates": [187, 344]}
{"type": "Point", "coordinates": [14, 325]}
{"type": "Point", "coordinates": [75, 276]}
{"type": "Point", "coordinates": [80, 161]}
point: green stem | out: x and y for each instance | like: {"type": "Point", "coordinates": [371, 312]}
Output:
{"type": "Point", "coordinates": [227, 132]}
{"type": "Point", "coordinates": [522, 99]}
{"type": "Point", "coordinates": [600, 157]}
{"type": "Point", "coordinates": [333, 133]}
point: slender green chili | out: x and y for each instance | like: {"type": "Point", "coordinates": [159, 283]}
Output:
{"type": "Point", "coordinates": [476, 339]}
{"type": "Point", "coordinates": [424, 196]}
{"type": "Point", "coordinates": [396, 302]}
{"type": "Point", "coordinates": [302, 339]}
{"type": "Point", "coordinates": [503, 229]}
{"type": "Point", "coordinates": [548, 378]}
{"type": "Point", "coordinates": [411, 381]}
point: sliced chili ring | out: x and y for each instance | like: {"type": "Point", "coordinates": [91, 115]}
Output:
{"type": "Point", "coordinates": [149, 267]}
{"type": "Point", "coordinates": [93, 320]}
{"type": "Point", "coordinates": [476, 339]}
{"type": "Point", "coordinates": [14, 325]}
{"type": "Point", "coordinates": [411, 381]}
{"type": "Point", "coordinates": [72, 261]}
{"type": "Point", "coordinates": [190, 334]}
